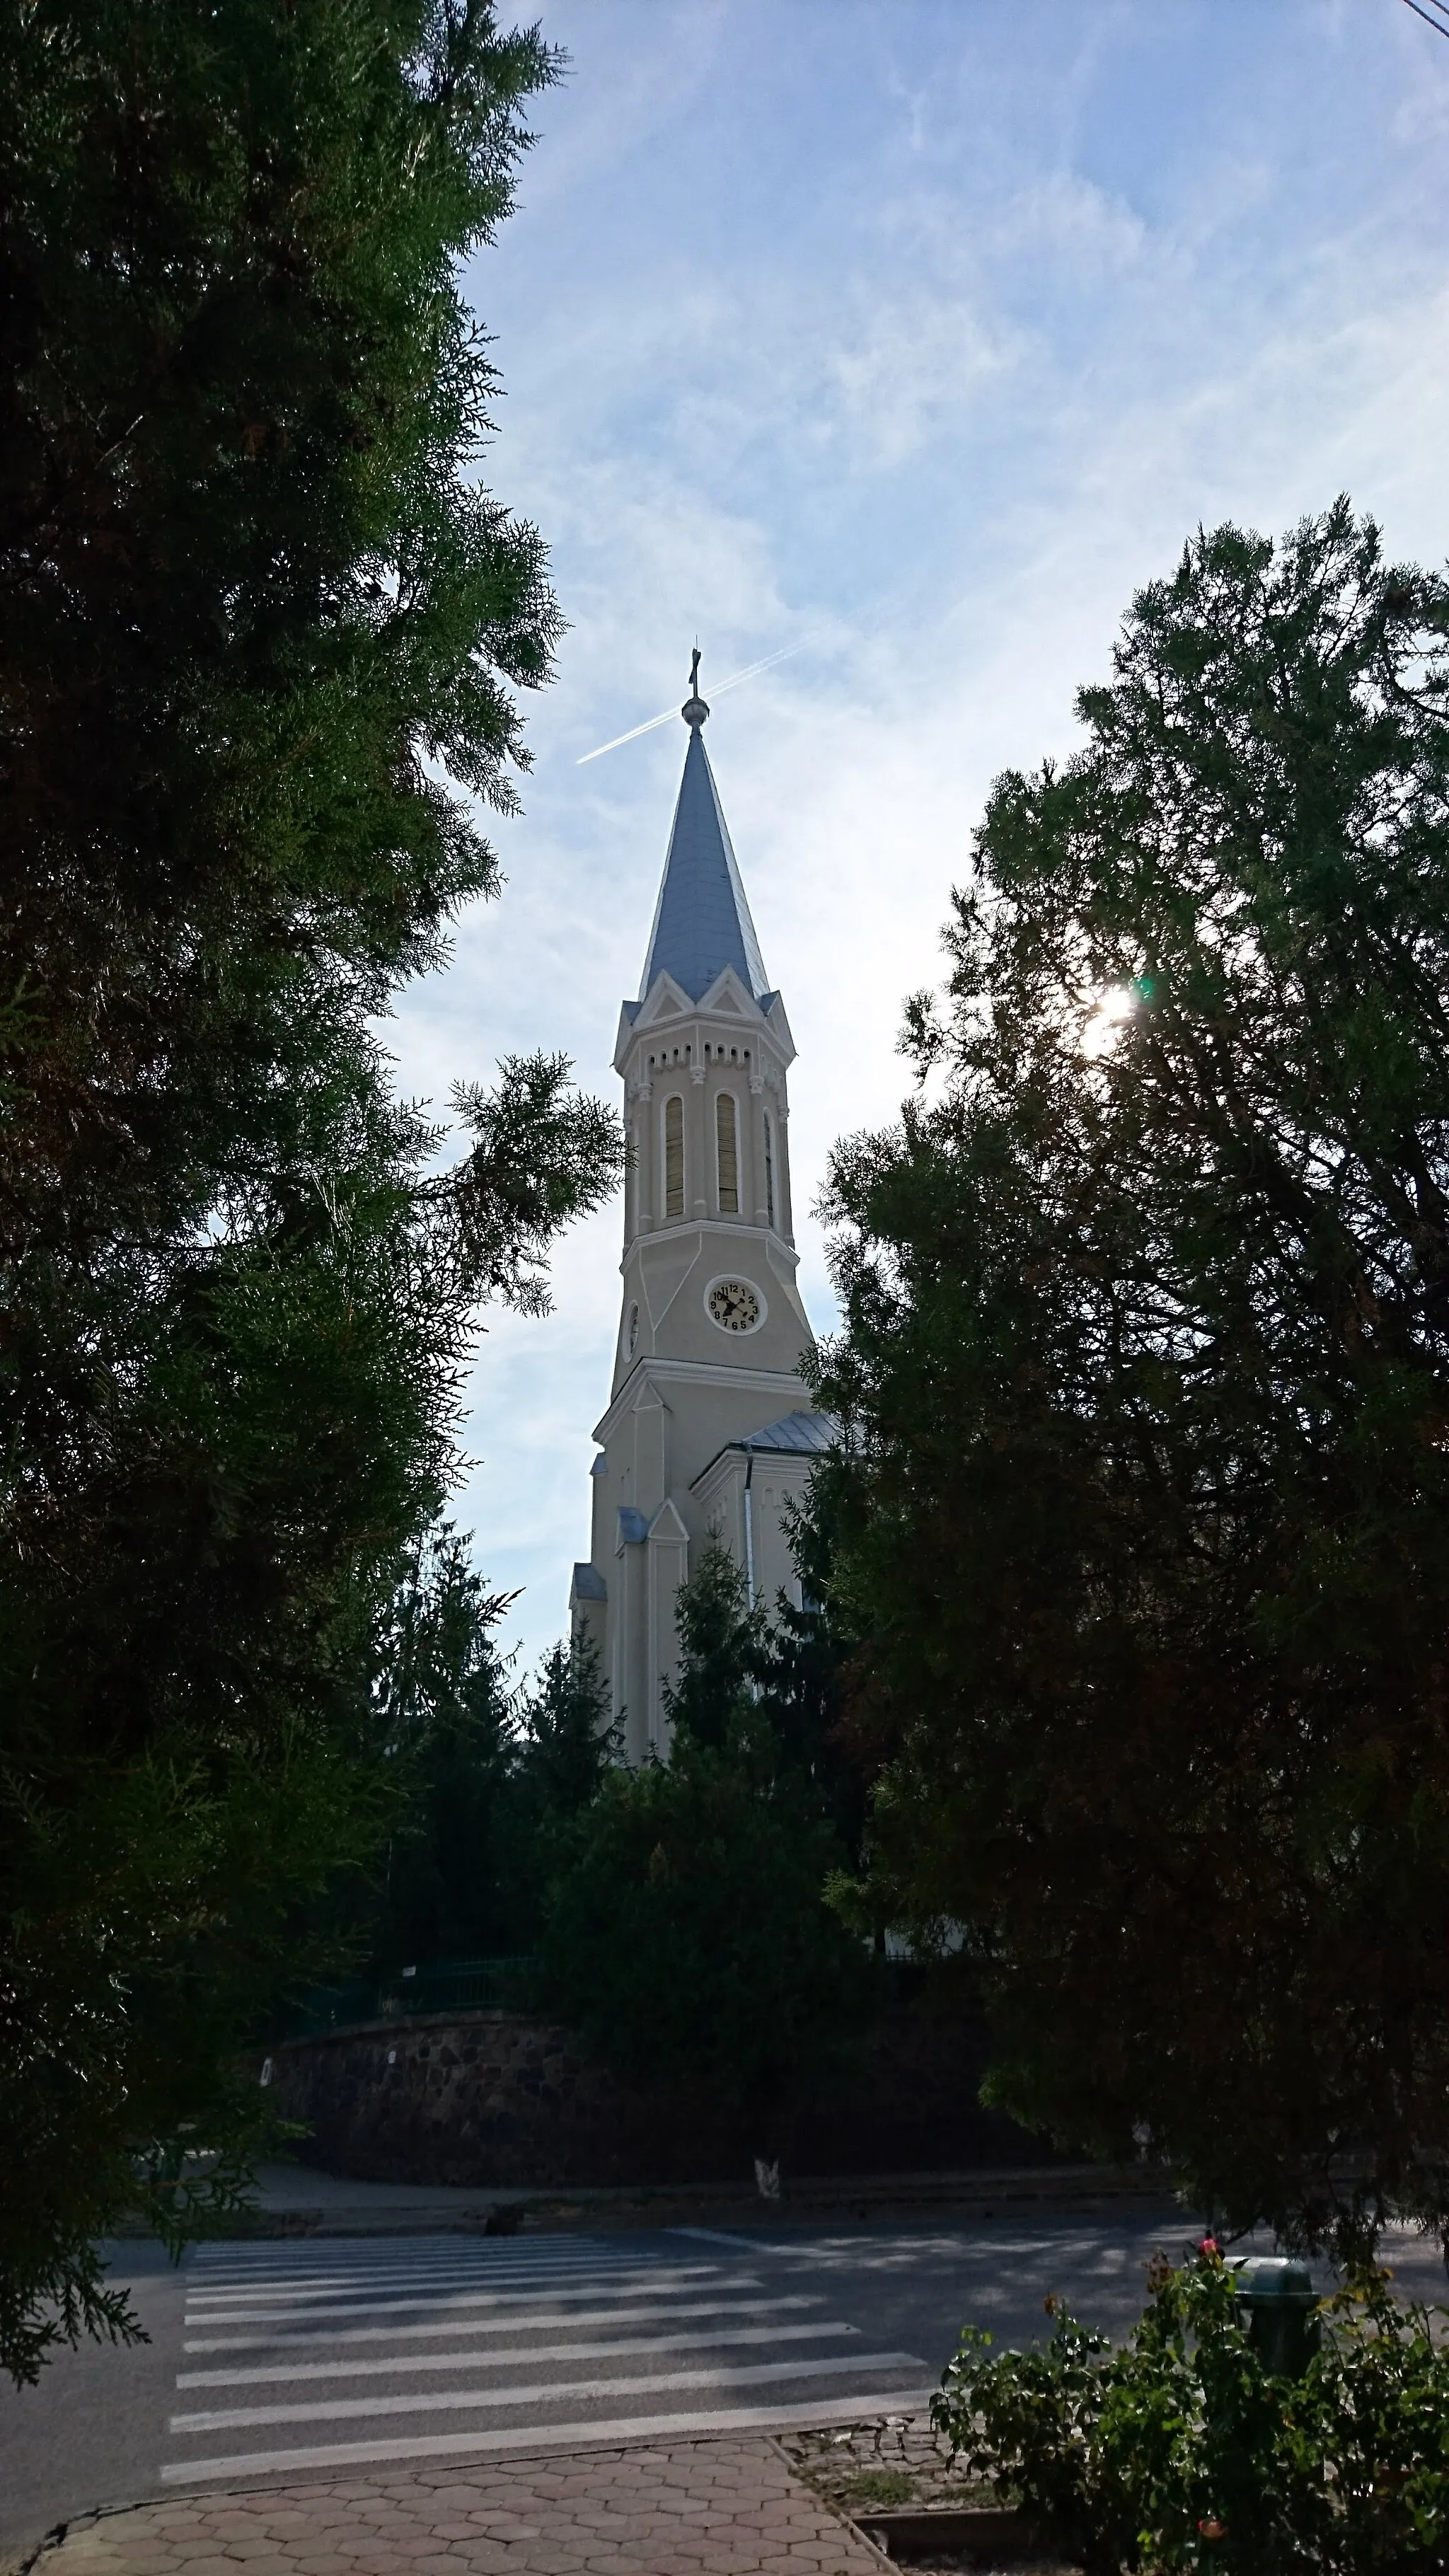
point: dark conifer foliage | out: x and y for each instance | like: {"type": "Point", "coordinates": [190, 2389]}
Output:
{"type": "Point", "coordinates": [771, 1681]}
{"type": "Point", "coordinates": [711, 1700]}
{"type": "Point", "coordinates": [261, 638]}
{"type": "Point", "coordinates": [443, 1710]}
{"type": "Point", "coordinates": [565, 1743]}
{"type": "Point", "coordinates": [686, 1932]}
{"type": "Point", "coordinates": [1145, 1373]}
{"type": "Point", "coordinates": [486, 1775]}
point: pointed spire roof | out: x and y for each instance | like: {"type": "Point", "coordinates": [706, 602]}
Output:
{"type": "Point", "coordinates": [701, 921]}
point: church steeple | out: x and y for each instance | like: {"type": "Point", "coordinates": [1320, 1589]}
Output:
{"type": "Point", "coordinates": [705, 1048]}
{"type": "Point", "coordinates": [711, 1327]}
{"type": "Point", "coordinates": [702, 919]}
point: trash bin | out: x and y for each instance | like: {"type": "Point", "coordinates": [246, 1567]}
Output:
{"type": "Point", "coordinates": [1279, 2306]}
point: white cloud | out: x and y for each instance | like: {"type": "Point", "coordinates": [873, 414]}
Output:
{"type": "Point", "coordinates": [923, 332]}
{"type": "Point", "coordinates": [912, 367]}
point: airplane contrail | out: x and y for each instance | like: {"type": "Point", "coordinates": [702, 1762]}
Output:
{"type": "Point", "coordinates": [751, 671]}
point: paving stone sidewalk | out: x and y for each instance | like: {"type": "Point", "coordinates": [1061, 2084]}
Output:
{"type": "Point", "coordinates": [687, 2508]}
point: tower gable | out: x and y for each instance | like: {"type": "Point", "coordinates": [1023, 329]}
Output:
{"type": "Point", "coordinates": [666, 1003]}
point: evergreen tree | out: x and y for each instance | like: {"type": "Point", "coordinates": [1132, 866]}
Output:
{"type": "Point", "coordinates": [772, 1680]}
{"type": "Point", "coordinates": [483, 1775]}
{"type": "Point", "coordinates": [444, 1712]}
{"type": "Point", "coordinates": [687, 1937]}
{"type": "Point", "coordinates": [1144, 1499]}
{"type": "Point", "coordinates": [258, 661]}
{"type": "Point", "coordinates": [803, 1669]}
{"type": "Point", "coordinates": [566, 1741]}
{"type": "Point", "coordinates": [713, 1699]}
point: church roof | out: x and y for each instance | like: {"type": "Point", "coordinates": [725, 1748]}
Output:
{"type": "Point", "coordinates": [797, 1435]}
{"type": "Point", "coordinates": [807, 1434]}
{"type": "Point", "coordinates": [702, 922]}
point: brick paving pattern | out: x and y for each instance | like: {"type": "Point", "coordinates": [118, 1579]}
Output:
{"type": "Point", "coordinates": [701, 2508]}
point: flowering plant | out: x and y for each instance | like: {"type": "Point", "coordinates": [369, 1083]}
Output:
{"type": "Point", "coordinates": [1181, 2451]}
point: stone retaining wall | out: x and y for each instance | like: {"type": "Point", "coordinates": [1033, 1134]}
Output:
{"type": "Point", "coordinates": [495, 2098]}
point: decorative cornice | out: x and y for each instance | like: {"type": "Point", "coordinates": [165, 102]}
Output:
{"type": "Point", "coordinates": [792, 1466]}
{"type": "Point", "coordinates": [641, 1021]}
{"type": "Point", "coordinates": [770, 1383]}
{"type": "Point", "coordinates": [714, 1225]}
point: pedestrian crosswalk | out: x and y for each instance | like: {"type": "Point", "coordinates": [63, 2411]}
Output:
{"type": "Point", "coordinates": [323, 2355]}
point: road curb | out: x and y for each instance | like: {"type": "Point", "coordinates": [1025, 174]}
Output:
{"type": "Point", "coordinates": [1044, 2191]}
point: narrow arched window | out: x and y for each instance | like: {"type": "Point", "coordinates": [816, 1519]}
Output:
{"type": "Point", "coordinates": [673, 1157]}
{"type": "Point", "coordinates": [726, 1139]}
{"type": "Point", "coordinates": [769, 1171]}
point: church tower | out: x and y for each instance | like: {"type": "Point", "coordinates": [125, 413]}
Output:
{"type": "Point", "coordinates": [708, 1431]}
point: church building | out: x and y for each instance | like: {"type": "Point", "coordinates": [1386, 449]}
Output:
{"type": "Point", "coordinates": [708, 1431]}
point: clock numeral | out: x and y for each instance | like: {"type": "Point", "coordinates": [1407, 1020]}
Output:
{"type": "Point", "coordinates": [734, 1305]}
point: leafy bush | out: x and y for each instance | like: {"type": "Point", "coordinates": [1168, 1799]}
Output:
{"type": "Point", "coordinates": [1181, 2451]}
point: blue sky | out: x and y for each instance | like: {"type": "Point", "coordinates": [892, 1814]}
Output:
{"type": "Point", "coordinates": [918, 335]}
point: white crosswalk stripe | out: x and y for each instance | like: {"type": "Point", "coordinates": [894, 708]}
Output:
{"type": "Point", "coordinates": [495, 2332]}
{"type": "Point", "coordinates": [646, 2312]}
{"type": "Point", "coordinates": [493, 2361]}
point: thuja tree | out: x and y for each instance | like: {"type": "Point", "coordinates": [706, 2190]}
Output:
{"type": "Point", "coordinates": [262, 637]}
{"type": "Point", "coordinates": [1145, 1369]}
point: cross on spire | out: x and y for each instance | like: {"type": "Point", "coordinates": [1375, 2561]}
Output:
{"type": "Point", "coordinates": [694, 709]}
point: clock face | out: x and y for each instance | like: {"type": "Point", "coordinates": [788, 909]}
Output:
{"type": "Point", "coordinates": [734, 1305]}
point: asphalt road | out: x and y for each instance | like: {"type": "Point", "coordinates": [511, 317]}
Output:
{"type": "Point", "coordinates": [274, 2359]}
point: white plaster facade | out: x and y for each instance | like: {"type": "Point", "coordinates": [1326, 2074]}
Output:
{"type": "Point", "coordinates": [708, 1429]}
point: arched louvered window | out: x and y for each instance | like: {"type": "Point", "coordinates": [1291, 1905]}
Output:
{"type": "Point", "coordinates": [770, 1171]}
{"type": "Point", "coordinates": [727, 1140]}
{"type": "Point", "coordinates": [673, 1157]}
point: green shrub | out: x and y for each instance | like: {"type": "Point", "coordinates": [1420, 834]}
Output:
{"type": "Point", "coordinates": [1181, 2451]}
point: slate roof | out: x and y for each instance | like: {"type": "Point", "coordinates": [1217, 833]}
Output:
{"type": "Point", "coordinates": [589, 1584]}
{"type": "Point", "coordinates": [702, 922]}
{"type": "Point", "coordinates": [797, 1435]}
{"type": "Point", "coordinates": [806, 1434]}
